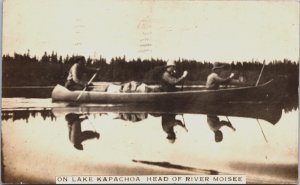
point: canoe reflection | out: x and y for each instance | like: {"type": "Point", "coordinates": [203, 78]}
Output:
{"type": "Point", "coordinates": [76, 135]}
{"type": "Point", "coordinates": [132, 116]}
{"type": "Point", "coordinates": [75, 116]}
{"type": "Point", "coordinates": [137, 113]}
{"type": "Point", "coordinates": [270, 112]}
{"type": "Point", "coordinates": [168, 122]}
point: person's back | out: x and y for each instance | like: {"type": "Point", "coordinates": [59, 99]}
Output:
{"type": "Point", "coordinates": [214, 80]}
{"type": "Point", "coordinates": [213, 122]}
{"type": "Point", "coordinates": [75, 73]}
{"type": "Point", "coordinates": [74, 79]}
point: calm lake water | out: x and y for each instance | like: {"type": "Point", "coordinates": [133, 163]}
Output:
{"type": "Point", "coordinates": [42, 140]}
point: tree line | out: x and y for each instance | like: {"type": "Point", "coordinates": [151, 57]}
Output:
{"type": "Point", "coordinates": [51, 69]}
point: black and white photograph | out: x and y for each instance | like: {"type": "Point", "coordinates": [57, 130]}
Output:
{"type": "Point", "coordinates": [150, 91]}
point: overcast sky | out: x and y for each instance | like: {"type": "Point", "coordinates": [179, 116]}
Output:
{"type": "Point", "coordinates": [201, 30]}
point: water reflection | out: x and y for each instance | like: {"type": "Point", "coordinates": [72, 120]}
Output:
{"type": "Point", "coordinates": [137, 113]}
{"type": "Point", "coordinates": [74, 116]}
{"type": "Point", "coordinates": [215, 125]}
{"type": "Point", "coordinates": [132, 117]}
{"type": "Point", "coordinates": [76, 135]}
{"type": "Point", "coordinates": [268, 111]}
{"type": "Point", "coordinates": [25, 114]}
{"type": "Point", "coordinates": [133, 136]}
{"type": "Point", "coordinates": [168, 123]}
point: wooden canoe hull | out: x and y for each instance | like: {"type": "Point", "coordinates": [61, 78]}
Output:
{"type": "Point", "coordinates": [260, 93]}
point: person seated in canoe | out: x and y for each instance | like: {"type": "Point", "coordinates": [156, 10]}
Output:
{"type": "Point", "coordinates": [214, 80]}
{"type": "Point", "coordinates": [168, 123]}
{"type": "Point", "coordinates": [75, 76]}
{"type": "Point", "coordinates": [215, 125]}
{"type": "Point", "coordinates": [76, 135]}
{"type": "Point", "coordinates": [169, 79]}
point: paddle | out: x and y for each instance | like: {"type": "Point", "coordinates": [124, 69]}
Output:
{"type": "Point", "coordinates": [231, 125]}
{"type": "Point", "coordinates": [262, 130]}
{"type": "Point", "coordinates": [78, 97]}
{"type": "Point", "coordinates": [182, 114]}
{"type": "Point", "coordinates": [184, 126]}
{"type": "Point", "coordinates": [88, 118]}
{"type": "Point", "coordinates": [260, 74]}
{"type": "Point", "coordinates": [262, 69]}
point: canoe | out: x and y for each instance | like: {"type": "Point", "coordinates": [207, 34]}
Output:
{"type": "Point", "coordinates": [266, 91]}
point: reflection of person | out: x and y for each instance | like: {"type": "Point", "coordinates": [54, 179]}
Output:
{"type": "Point", "coordinates": [215, 125]}
{"type": "Point", "coordinates": [169, 80]}
{"type": "Point", "coordinates": [168, 123]}
{"type": "Point", "coordinates": [214, 80]}
{"type": "Point", "coordinates": [76, 135]}
{"type": "Point", "coordinates": [74, 79]}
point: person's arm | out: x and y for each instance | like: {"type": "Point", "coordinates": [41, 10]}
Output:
{"type": "Point", "coordinates": [82, 117]}
{"type": "Point", "coordinates": [241, 81]}
{"type": "Point", "coordinates": [220, 80]}
{"type": "Point", "coordinates": [228, 124]}
{"type": "Point", "coordinates": [172, 80]}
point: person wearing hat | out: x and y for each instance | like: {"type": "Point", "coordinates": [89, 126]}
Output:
{"type": "Point", "coordinates": [215, 125]}
{"type": "Point", "coordinates": [169, 79]}
{"type": "Point", "coordinates": [214, 80]}
{"type": "Point", "coordinates": [74, 79]}
{"type": "Point", "coordinates": [76, 135]}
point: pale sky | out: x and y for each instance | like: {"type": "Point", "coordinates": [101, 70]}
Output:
{"type": "Point", "coordinates": [202, 30]}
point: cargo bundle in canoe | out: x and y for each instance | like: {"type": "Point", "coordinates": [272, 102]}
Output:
{"type": "Point", "coordinates": [266, 91]}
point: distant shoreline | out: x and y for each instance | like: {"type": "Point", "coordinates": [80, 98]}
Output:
{"type": "Point", "coordinates": [50, 70]}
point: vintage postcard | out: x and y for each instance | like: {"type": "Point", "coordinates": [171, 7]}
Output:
{"type": "Point", "coordinates": [150, 91]}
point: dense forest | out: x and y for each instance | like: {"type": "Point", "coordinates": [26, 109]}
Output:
{"type": "Point", "coordinates": [51, 69]}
